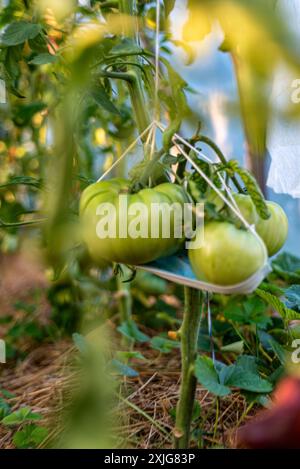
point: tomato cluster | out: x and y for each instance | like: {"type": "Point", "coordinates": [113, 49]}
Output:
{"type": "Point", "coordinates": [230, 253]}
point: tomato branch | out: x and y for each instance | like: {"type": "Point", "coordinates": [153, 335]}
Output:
{"type": "Point", "coordinates": [221, 156]}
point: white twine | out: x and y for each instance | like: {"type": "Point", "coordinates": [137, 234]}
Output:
{"type": "Point", "coordinates": [131, 146]}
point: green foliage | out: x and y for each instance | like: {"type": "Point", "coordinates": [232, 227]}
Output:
{"type": "Point", "coordinates": [285, 312]}
{"type": "Point", "coordinates": [219, 378]}
{"type": "Point", "coordinates": [121, 368]}
{"type": "Point", "coordinates": [30, 436]}
{"type": "Point", "coordinates": [250, 310]}
{"type": "Point", "coordinates": [18, 32]}
{"type": "Point", "coordinates": [292, 295]}
{"type": "Point", "coordinates": [252, 188]}
{"type": "Point", "coordinates": [287, 267]}
{"type": "Point", "coordinates": [43, 59]}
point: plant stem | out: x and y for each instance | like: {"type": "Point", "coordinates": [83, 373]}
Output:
{"type": "Point", "coordinates": [189, 340]}
{"type": "Point", "coordinates": [221, 156]}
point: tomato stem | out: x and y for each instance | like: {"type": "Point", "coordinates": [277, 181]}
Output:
{"type": "Point", "coordinates": [221, 156]}
{"type": "Point", "coordinates": [189, 345]}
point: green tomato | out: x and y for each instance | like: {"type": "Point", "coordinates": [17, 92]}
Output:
{"type": "Point", "coordinates": [127, 248]}
{"type": "Point", "coordinates": [247, 209]}
{"type": "Point", "coordinates": [228, 256]}
{"type": "Point", "coordinates": [273, 231]}
{"type": "Point", "coordinates": [213, 198]}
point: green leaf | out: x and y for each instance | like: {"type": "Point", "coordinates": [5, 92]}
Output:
{"type": "Point", "coordinates": [278, 305]}
{"type": "Point", "coordinates": [30, 436]}
{"type": "Point", "coordinates": [261, 399]}
{"type": "Point", "coordinates": [127, 46]}
{"type": "Point", "coordinates": [19, 32]}
{"type": "Point", "coordinates": [235, 347]}
{"type": "Point", "coordinates": [20, 416]}
{"type": "Point", "coordinates": [247, 380]}
{"type": "Point", "coordinates": [81, 343]}
{"type": "Point", "coordinates": [163, 345]}
{"type": "Point", "coordinates": [23, 114]}
{"type": "Point", "coordinates": [207, 375]}
{"type": "Point", "coordinates": [7, 394]}
{"type": "Point", "coordinates": [287, 266]}
{"type": "Point", "coordinates": [278, 350]}
{"type": "Point", "coordinates": [42, 59]}
{"type": "Point", "coordinates": [251, 310]}
{"type": "Point", "coordinates": [293, 297]}
{"type": "Point", "coordinates": [123, 369]}
{"type": "Point", "coordinates": [123, 356]}
{"type": "Point", "coordinates": [4, 408]}
{"type": "Point", "coordinates": [130, 330]}
{"type": "Point", "coordinates": [149, 283]}
{"type": "Point", "coordinates": [253, 190]}
{"type": "Point", "coordinates": [25, 180]}
{"type": "Point", "coordinates": [99, 94]}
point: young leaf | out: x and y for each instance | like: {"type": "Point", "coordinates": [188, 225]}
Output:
{"type": "Point", "coordinates": [18, 32]}
{"type": "Point", "coordinates": [19, 416]}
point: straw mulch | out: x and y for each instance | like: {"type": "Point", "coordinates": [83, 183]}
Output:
{"type": "Point", "coordinates": [43, 381]}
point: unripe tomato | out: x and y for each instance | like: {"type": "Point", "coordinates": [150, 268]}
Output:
{"type": "Point", "coordinates": [247, 209]}
{"type": "Point", "coordinates": [273, 231]}
{"type": "Point", "coordinates": [126, 248]}
{"type": "Point", "coordinates": [228, 256]}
